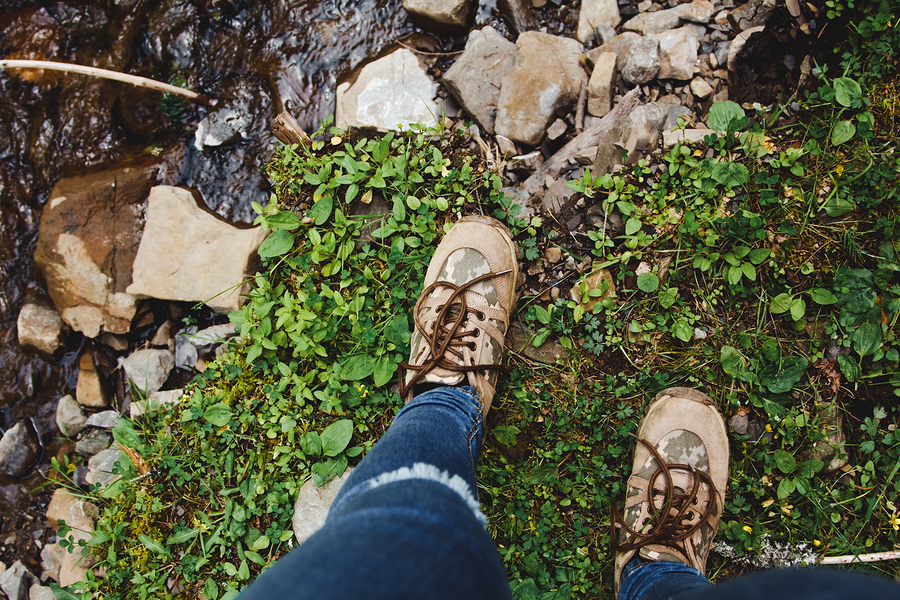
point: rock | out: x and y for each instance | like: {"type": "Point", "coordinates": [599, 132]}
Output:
{"type": "Point", "coordinates": [595, 14]}
{"type": "Point", "coordinates": [441, 16]}
{"type": "Point", "coordinates": [530, 162]}
{"type": "Point", "coordinates": [740, 422]}
{"type": "Point", "coordinates": [40, 592]}
{"type": "Point", "coordinates": [188, 254]}
{"type": "Point", "coordinates": [602, 84]}
{"type": "Point", "coordinates": [677, 53]}
{"type": "Point", "coordinates": [674, 112]}
{"type": "Point", "coordinates": [507, 148]}
{"type": "Point", "coordinates": [163, 335]}
{"type": "Point", "coordinates": [156, 401]}
{"type": "Point", "coordinates": [39, 326]}
{"type": "Point", "coordinates": [754, 13]}
{"type": "Point", "coordinates": [557, 129]}
{"type": "Point", "coordinates": [517, 14]}
{"type": "Point", "coordinates": [69, 568]}
{"type": "Point", "coordinates": [585, 156]}
{"type": "Point", "coordinates": [70, 417]}
{"type": "Point", "coordinates": [92, 389]}
{"type": "Point", "coordinates": [51, 559]}
{"type": "Point", "coordinates": [522, 199]}
{"type": "Point", "coordinates": [620, 44]}
{"type": "Point", "coordinates": [557, 195]}
{"type": "Point", "coordinates": [552, 255]}
{"type": "Point", "coordinates": [698, 11]}
{"type": "Point", "coordinates": [186, 353]}
{"type": "Point", "coordinates": [642, 61]}
{"type": "Point", "coordinates": [547, 77]}
{"type": "Point", "coordinates": [737, 44]}
{"type": "Point", "coordinates": [595, 281]}
{"type": "Point", "coordinates": [106, 419]}
{"type": "Point", "coordinates": [15, 581]}
{"type": "Point", "coordinates": [637, 133]}
{"type": "Point", "coordinates": [699, 334]}
{"type": "Point", "coordinates": [93, 440]}
{"type": "Point", "coordinates": [222, 127]}
{"type": "Point", "coordinates": [88, 239]}
{"type": "Point", "coordinates": [311, 507]}
{"type": "Point", "coordinates": [102, 465]}
{"type": "Point", "coordinates": [700, 88]}
{"type": "Point", "coordinates": [20, 450]}
{"type": "Point", "coordinates": [119, 343]}
{"type": "Point", "coordinates": [598, 219]}
{"type": "Point", "coordinates": [393, 91]}
{"type": "Point", "coordinates": [149, 368]}
{"type": "Point", "coordinates": [684, 136]}
{"type": "Point", "coordinates": [520, 342]}
{"type": "Point", "coordinates": [477, 75]}
{"type": "Point", "coordinates": [77, 513]}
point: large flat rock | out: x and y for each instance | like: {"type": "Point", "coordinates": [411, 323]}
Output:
{"type": "Point", "coordinates": [189, 254]}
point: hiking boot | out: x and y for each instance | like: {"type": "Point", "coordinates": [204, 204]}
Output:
{"type": "Point", "coordinates": [463, 313]}
{"type": "Point", "coordinates": [676, 491]}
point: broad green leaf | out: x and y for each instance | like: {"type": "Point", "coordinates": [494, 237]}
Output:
{"type": "Point", "coordinates": [336, 437]}
{"type": "Point", "coordinates": [321, 210]}
{"type": "Point", "coordinates": [218, 414]}
{"type": "Point", "coordinates": [798, 308]}
{"type": "Point", "coordinates": [647, 282]}
{"type": "Point", "coordinates": [276, 244]}
{"type": "Point", "coordinates": [62, 593]}
{"type": "Point", "coordinates": [125, 434]}
{"type": "Point", "coordinates": [231, 595]}
{"type": "Point", "coordinates": [682, 330]}
{"type": "Point", "coordinates": [786, 488]}
{"type": "Point", "coordinates": [732, 360]}
{"type": "Point", "coordinates": [283, 219]}
{"type": "Point", "coordinates": [839, 206]}
{"type": "Point", "coordinates": [357, 367]}
{"type": "Point", "coordinates": [759, 255]}
{"type": "Point", "coordinates": [310, 443]}
{"type": "Point", "coordinates": [632, 226]}
{"type": "Point", "coordinates": [723, 114]}
{"type": "Point", "coordinates": [150, 544]}
{"type": "Point", "coordinates": [182, 536]}
{"type": "Point", "coordinates": [260, 543]}
{"type": "Point", "coordinates": [845, 90]}
{"type": "Point", "coordinates": [809, 468]}
{"type": "Point", "coordinates": [243, 571]}
{"type": "Point", "coordinates": [543, 315]}
{"type": "Point", "coordinates": [734, 275]}
{"type": "Point", "coordinates": [506, 435]}
{"type": "Point", "coordinates": [384, 370]}
{"type": "Point", "coordinates": [749, 271]}
{"type": "Point", "coordinates": [730, 174]}
{"type": "Point", "coordinates": [867, 339]}
{"type": "Point", "coordinates": [210, 589]}
{"type": "Point", "coordinates": [740, 251]}
{"type": "Point", "coordinates": [843, 132]}
{"type": "Point", "coordinates": [667, 297]}
{"type": "Point", "coordinates": [785, 462]}
{"type": "Point", "coordinates": [781, 377]}
{"type": "Point", "coordinates": [823, 297]}
{"type": "Point", "coordinates": [781, 303]}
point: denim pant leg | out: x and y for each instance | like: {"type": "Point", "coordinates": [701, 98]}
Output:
{"type": "Point", "coordinates": [406, 524]}
{"type": "Point", "coordinates": [646, 580]}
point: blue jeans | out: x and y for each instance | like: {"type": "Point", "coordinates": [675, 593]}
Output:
{"type": "Point", "coordinates": [406, 524]}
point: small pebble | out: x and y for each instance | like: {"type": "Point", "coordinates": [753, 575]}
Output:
{"type": "Point", "coordinates": [699, 334]}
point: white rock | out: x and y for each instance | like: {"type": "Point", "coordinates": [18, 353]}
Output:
{"type": "Point", "coordinates": [156, 401]}
{"type": "Point", "coordinates": [39, 326]}
{"type": "Point", "coordinates": [40, 592]}
{"type": "Point", "coordinates": [620, 44]}
{"type": "Point", "coordinates": [700, 88]}
{"type": "Point", "coordinates": [507, 148]}
{"type": "Point", "coordinates": [106, 419]}
{"type": "Point", "coordinates": [698, 11]}
{"type": "Point", "coordinates": [678, 53]}
{"type": "Point", "coordinates": [102, 464]}
{"type": "Point", "coordinates": [642, 61]}
{"type": "Point", "coordinates": [188, 254]}
{"type": "Point", "coordinates": [15, 581]}
{"type": "Point", "coordinates": [70, 417]}
{"type": "Point", "coordinates": [388, 93]}
{"type": "Point", "coordinates": [557, 129]}
{"type": "Point", "coordinates": [602, 84]}
{"type": "Point", "coordinates": [312, 505]}
{"type": "Point", "coordinates": [441, 15]}
{"type": "Point", "coordinates": [594, 14]}
{"type": "Point", "coordinates": [149, 368]}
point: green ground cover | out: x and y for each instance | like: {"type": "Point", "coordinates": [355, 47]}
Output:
{"type": "Point", "coordinates": [772, 285]}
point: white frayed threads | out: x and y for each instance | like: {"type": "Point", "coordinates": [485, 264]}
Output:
{"type": "Point", "coordinates": [432, 473]}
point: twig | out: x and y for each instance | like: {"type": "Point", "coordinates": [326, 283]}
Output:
{"type": "Point", "coordinates": [417, 51]}
{"type": "Point", "coordinates": [864, 558]}
{"type": "Point", "coordinates": [579, 110]}
{"type": "Point", "coordinates": [106, 74]}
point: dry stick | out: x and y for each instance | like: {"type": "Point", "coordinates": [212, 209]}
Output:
{"type": "Point", "coordinates": [579, 111]}
{"type": "Point", "coordinates": [589, 137]}
{"type": "Point", "coordinates": [288, 131]}
{"type": "Point", "coordinates": [854, 558]}
{"type": "Point", "coordinates": [106, 74]}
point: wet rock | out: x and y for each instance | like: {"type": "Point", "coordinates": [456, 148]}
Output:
{"type": "Point", "coordinates": [637, 133]}
{"type": "Point", "coordinates": [393, 90]}
{"type": "Point", "coordinates": [518, 14]}
{"type": "Point", "coordinates": [441, 16]}
{"type": "Point", "coordinates": [620, 44]}
{"type": "Point", "coordinates": [188, 254]}
{"type": "Point", "coordinates": [754, 13]}
{"type": "Point", "coordinates": [699, 11]}
{"type": "Point", "coordinates": [15, 581]}
{"type": "Point", "coordinates": [547, 77]}
{"type": "Point", "coordinates": [106, 419]}
{"type": "Point", "coordinates": [312, 506]}
{"type": "Point", "coordinates": [642, 61]}
{"type": "Point", "coordinates": [700, 88]}
{"type": "Point", "coordinates": [70, 417]}
{"type": "Point", "coordinates": [89, 235]}
{"type": "Point", "coordinates": [156, 401]}
{"type": "Point", "coordinates": [119, 343]}
{"type": "Point", "coordinates": [186, 354]}
{"type": "Point", "coordinates": [102, 465]}
{"type": "Point", "coordinates": [477, 75]}
{"type": "Point", "coordinates": [602, 84]}
{"type": "Point", "coordinates": [93, 440]}
{"type": "Point", "coordinates": [678, 52]}
{"type": "Point", "coordinates": [520, 342]}
{"type": "Point", "coordinates": [92, 389]}
{"type": "Point", "coordinates": [20, 449]}
{"type": "Point", "coordinates": [595, 14]}
{"type": "Point", "coordinates": [39, 326]}
{"type": "Point", "coordinates": [221, 128]}
{"type": "Point", "coordinates": [149, 368]}
{"type": "Point", "coordinates": [737, 44]}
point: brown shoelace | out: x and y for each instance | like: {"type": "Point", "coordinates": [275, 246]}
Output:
{"type": "Point", "coordinates": [669, 522]}
{"type": "Point", "coordinates": [448, 335]}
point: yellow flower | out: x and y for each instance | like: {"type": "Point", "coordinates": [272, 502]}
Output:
{"type": "Point", "coordinates": [748, 529]}
{"type": "Point", "coordinates": [769, 428]}
{"type": "Point", "coordinates": [895, 521]}
{"type": "Point", "coordinates": [817, 543]}
{"type": "Point", "coordinates": [839, 170]}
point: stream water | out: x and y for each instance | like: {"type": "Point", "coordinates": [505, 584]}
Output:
{"type": "Point", "coordinates": [255, 58]}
